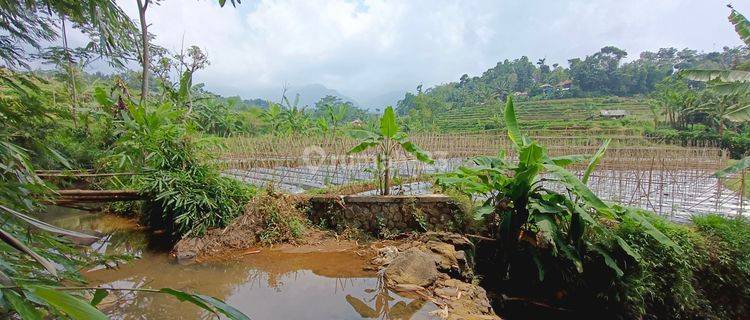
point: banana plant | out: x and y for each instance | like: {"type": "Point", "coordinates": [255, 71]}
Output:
{"type": "Point", "coordinates": [387, 141]}
{"type": "Point", "coordinates": [273, 116]}
{"type": "Point", "coordinates": [730, 82]}
{"type": "Point", "coordinates": [527, 217]}
{"type": "Point", "coordinates": [727, 80]}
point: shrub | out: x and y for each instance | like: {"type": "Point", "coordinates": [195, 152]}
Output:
{"type": "Point", "coordinates": [662, 283]}
{"type": "Point", "coordinates": [279, 218]}
{"type": "Point", "coordinates": [192, 201]}
{"type": "Point", "coordinates": [185, 194]}
{"type": "Point", "coordinates": [707, 279]}
{"type": "Point", "coordinates": [725, 280]}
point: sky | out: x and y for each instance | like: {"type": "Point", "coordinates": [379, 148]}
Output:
{"type": "Point", "coordinates": [371, 49]}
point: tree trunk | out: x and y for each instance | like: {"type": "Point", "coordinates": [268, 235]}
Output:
{"type": "Point", "coordinates": [69, 58]}
{"type": "Point", "coordinates": [145, 59]}
{"type": "Point", "coordinates": [387, 169]}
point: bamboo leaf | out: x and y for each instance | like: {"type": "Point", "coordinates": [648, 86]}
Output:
{"type": "Point", "coordinates": [18, 245]}
{"type": "Point", "coordinates": [99, 295]}
{"type": "Point", "coordinates": [46, 226]}
{"type": "Point", "coordinates": [184, 296]}
{"type": "Point", "coordinates": [60, 158]}
{"type": "Point", "coordinates": [207, 303]}
{"type": "Point", "coordinates": [73, 307]}
{"type": "Point", "coordinates": [21, 306]}
{"type": "Point", "coordinates": [224, 308]}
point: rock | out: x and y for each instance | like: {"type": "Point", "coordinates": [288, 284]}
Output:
{"type": "Point", "coordinates": [407, 287]}
{"type": "Point", "coordinates": [412, 267]}
{"type": "Point", "coordinates": [458, 241]}
{"type": "Point", "coordinates": [445, 255]}
{"type": "Point", "coordinates": [385, 256]}
{"type": "Point", "coordinates": [186, 250]}
{"type": "Point", "coordinates": [460, 285]}
{"type": "Point", "coordinates": [447, 292]}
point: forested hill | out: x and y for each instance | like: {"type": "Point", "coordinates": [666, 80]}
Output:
{"type": "Point", "coordinates": [603, 73]}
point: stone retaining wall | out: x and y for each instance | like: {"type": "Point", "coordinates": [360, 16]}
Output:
{"type": "Point", "coordinates": [387, 214]}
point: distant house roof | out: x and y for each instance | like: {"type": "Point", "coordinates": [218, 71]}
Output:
{"type": "Point", "coordinates": [565, 83]}
{"type": "Point", "coordinates": [614, 113]}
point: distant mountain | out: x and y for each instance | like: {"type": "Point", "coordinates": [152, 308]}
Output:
{"type": "Point", "coordinates": [308, 94]}
{"type": "Point", "coordinates": [380, 101]}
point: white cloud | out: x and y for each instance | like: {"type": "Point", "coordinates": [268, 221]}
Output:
{"type": "Point", "coordinates": [364, 48]}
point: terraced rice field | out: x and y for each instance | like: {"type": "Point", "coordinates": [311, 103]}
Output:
{"type": "Point", "coordinates": [531, 113]}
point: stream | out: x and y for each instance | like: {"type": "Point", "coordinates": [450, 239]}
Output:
{"type": "Point", "coordinates": [270, 284]}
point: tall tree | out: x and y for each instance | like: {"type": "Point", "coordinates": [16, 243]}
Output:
{"type": "Point", "coordinates": [28, 24]}
{"type": "Point", "coordinates": [145, 58]}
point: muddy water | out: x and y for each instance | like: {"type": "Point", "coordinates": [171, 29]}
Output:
{"type": "Point", "coordinates": [270, 284]}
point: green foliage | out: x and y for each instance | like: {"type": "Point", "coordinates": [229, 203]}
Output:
{"type": "Point", "coordinates": [186, 195]}
{"type": "Point", "coordinates": [600, 74]}
{"type": "Point", "coordinates": [279, 218]}
{"type": "Point", "coordinates": [533, 223]}
{"type": "Point", "coordinates": [36, 257]}
{"type": "Point", "coordinates": [192, 200]}
{"type": "Point", "coordinates": [741, 25]}
{"type": "Point", "coordinates": [386, 141]}
{"type": "Point", "coordinates": [30, 23]}
{"type": "Point", "coordinates": [725, 279]}
{"type": "Point", "coordinates": [706, 279]}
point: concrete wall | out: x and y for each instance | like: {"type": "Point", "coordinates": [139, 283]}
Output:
{"type": "Point", "coordinates": [387, 214]}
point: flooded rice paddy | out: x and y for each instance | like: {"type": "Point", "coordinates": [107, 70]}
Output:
{"type": "Point", "coordinates": [270, 284]}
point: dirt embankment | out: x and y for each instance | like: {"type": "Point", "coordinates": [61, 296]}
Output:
{"type": "Point", "coordinates": [270, 218]}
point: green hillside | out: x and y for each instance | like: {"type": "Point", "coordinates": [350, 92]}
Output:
{"type": "Point", "coordinates": [559, 113]}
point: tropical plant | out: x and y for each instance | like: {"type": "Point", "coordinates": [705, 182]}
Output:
{"type": "Point", "coordinates": [39, 263]}
{"type": "Point", "coordinates": [727, 80]}
{"type": "Point", "coordinates": [28, 24]}
{"type": "Point", "coordinates": [730, 83]}
{"type": "Point", "coordinates": [386, 141]}
{"type": "Point", "coordinates": [724, 107]}
{"type": "Point", "coordinates": [295, 117]}
{"type": "Point", "coordinates": [335, 115]}
{"type": "Point", "coordinates": [531, 221]}
{"type": "Point", "coordinates": [273, 116]}
{"type": "Point", "coordinates": [186, 195]}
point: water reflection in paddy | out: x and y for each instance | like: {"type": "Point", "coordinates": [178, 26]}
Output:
{"type": "Point", "coordinates": [271, 284]}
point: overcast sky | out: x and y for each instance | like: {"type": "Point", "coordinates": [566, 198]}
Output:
{"type": "Point", "coordinates": [368, 48]}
